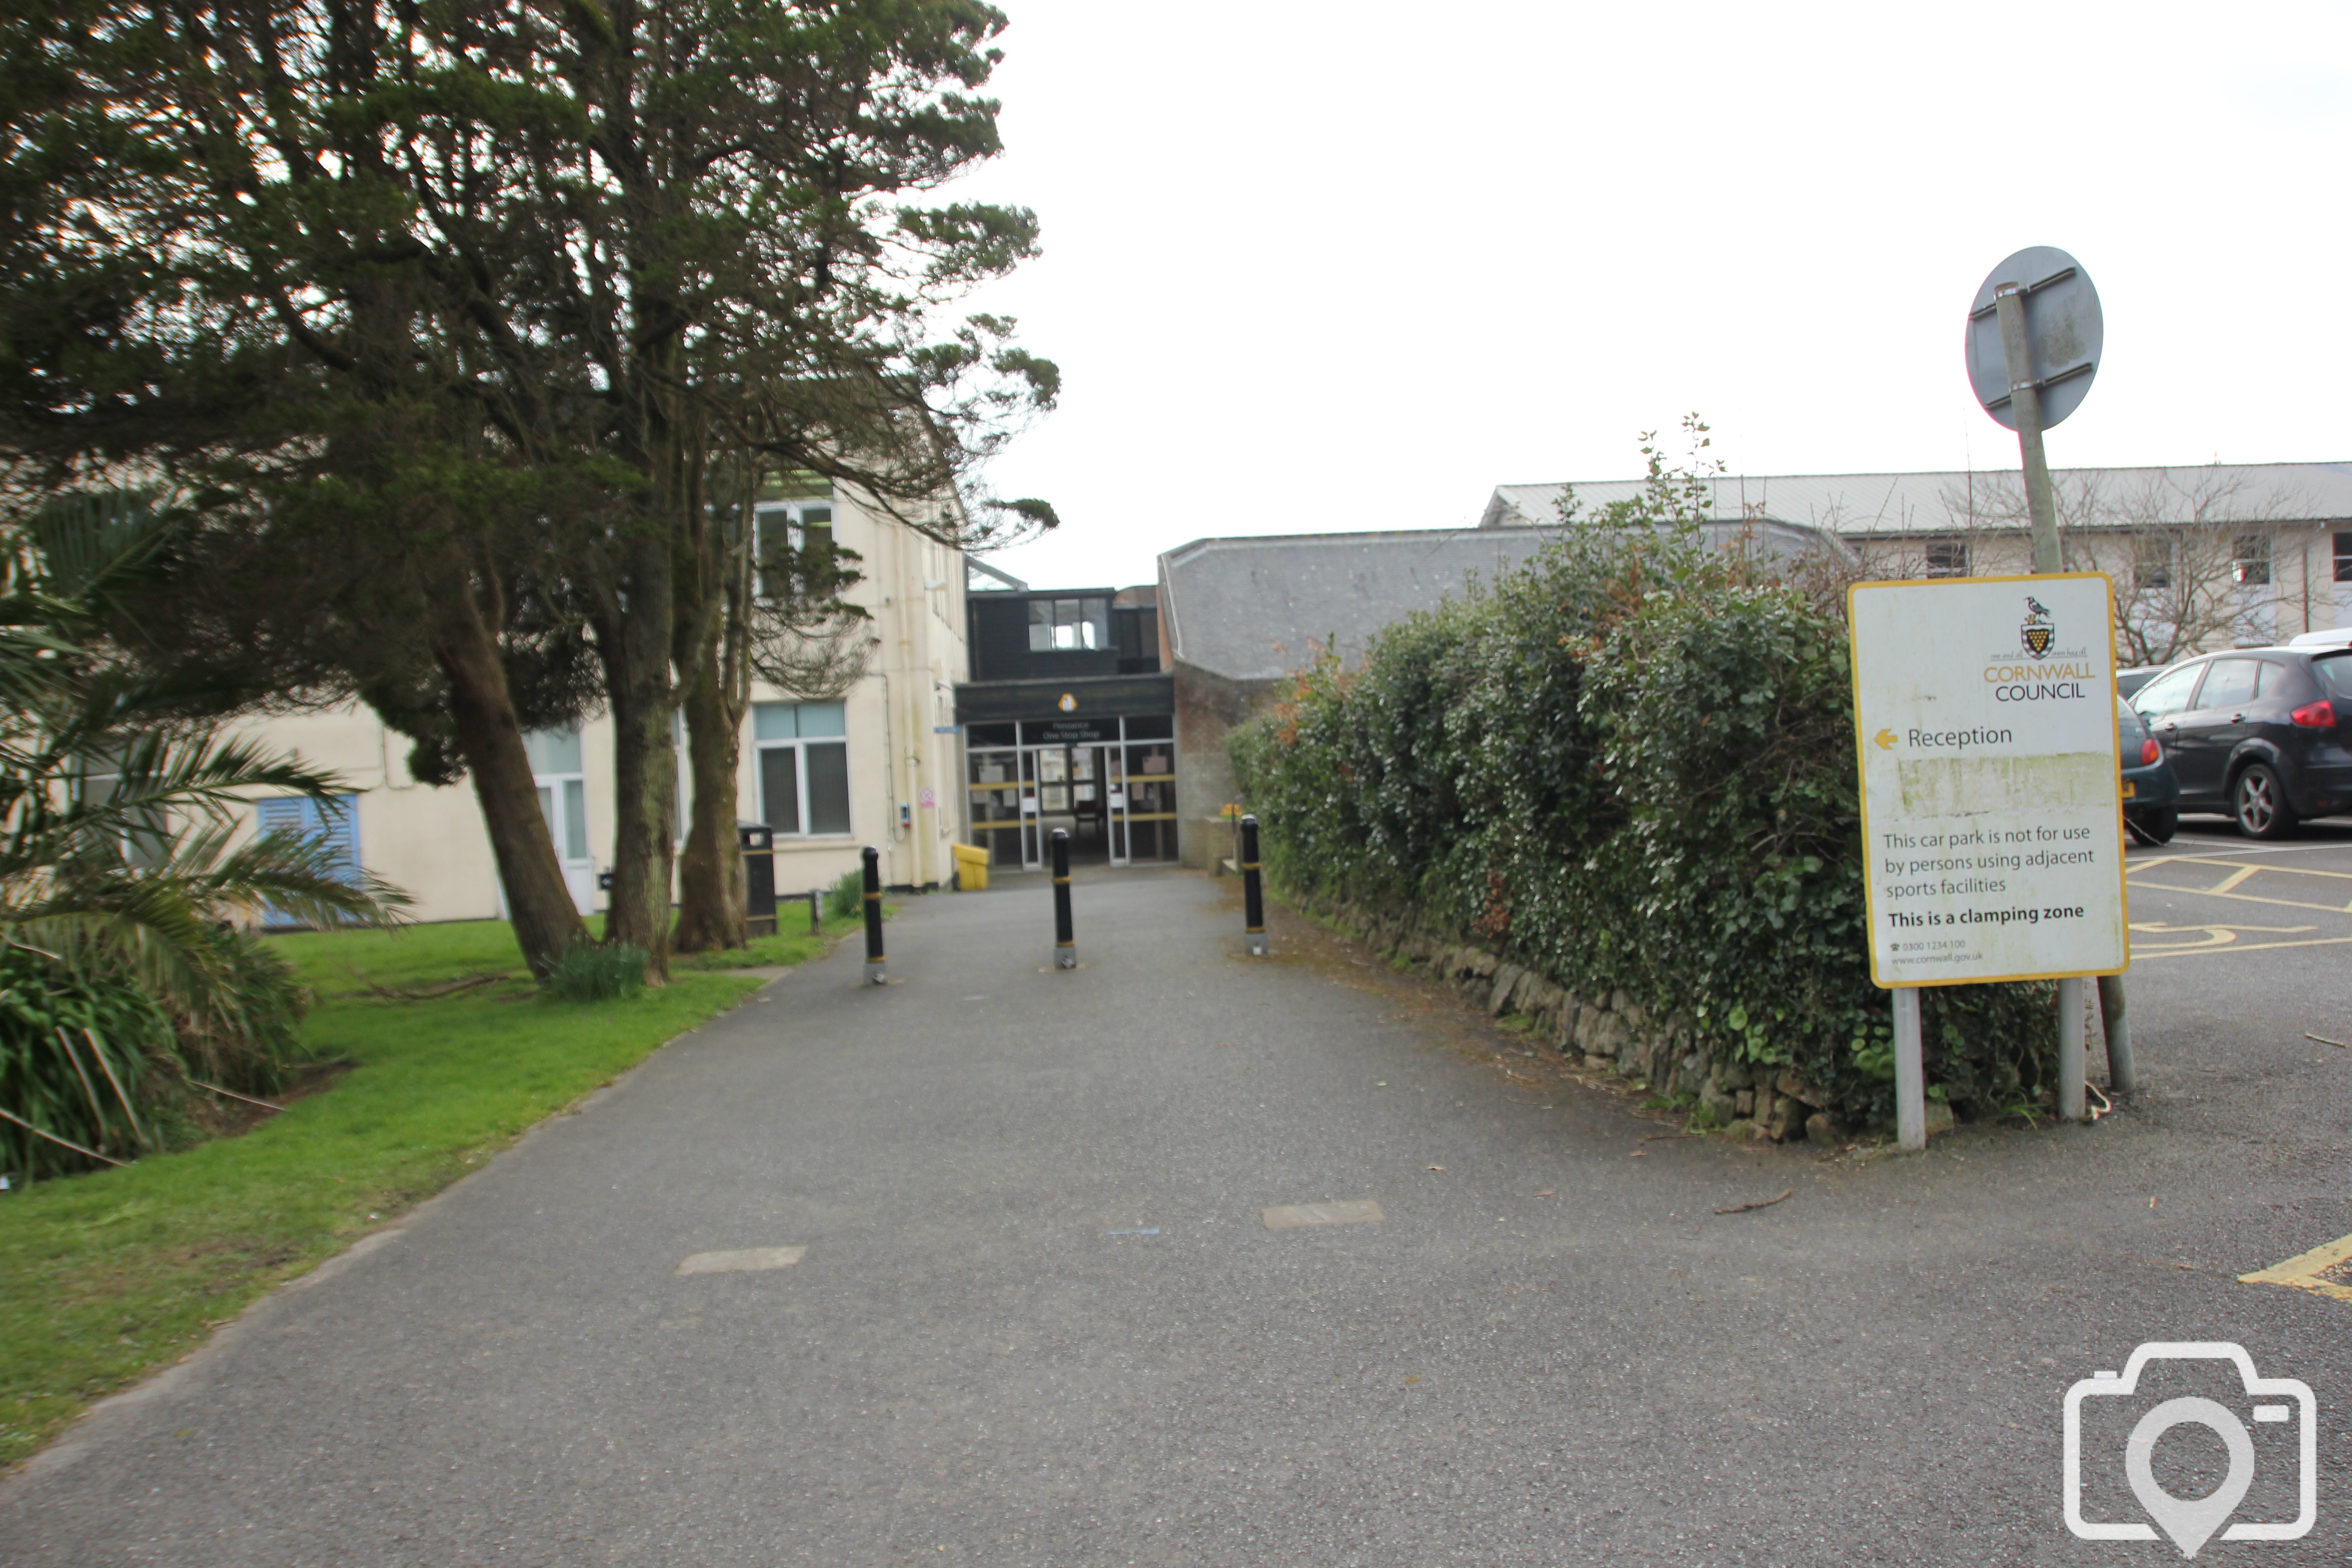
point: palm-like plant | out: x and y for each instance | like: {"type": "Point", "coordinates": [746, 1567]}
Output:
{"type": "Point", "coordinates": [121, 880]}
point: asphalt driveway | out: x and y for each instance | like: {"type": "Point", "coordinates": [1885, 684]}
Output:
{"type": "Point", "coordinates": [1020, 1300]}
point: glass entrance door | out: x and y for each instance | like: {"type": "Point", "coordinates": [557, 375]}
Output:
{"type": "Point", "coordinates": [1115, 818]}
{"type": "Point", "coordinates": [1033, 834]}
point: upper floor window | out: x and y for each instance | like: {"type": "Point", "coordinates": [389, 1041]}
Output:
{"type": "Point", "coordinates": [2344, 558]}
{"type": "Point", "coordinates": [2152, 562]}
{"type": "Point", "coordinates": [786, 535]}
{"type": "Point", "coordinates": [1069, 625]}
{"type": "Point", "coordinates": [2251, 559]}
{"type": "Point", "coordinates": [1947, 558]}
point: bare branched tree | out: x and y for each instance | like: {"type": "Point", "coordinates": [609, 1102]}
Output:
{"type": "Point", "coordinates": [2190, 549]}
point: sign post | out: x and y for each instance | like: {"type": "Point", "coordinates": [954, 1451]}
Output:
{"type": "Point", "coordinates": [2034, 338]}
{"type": "Point", "coordinates": [1992, 794]}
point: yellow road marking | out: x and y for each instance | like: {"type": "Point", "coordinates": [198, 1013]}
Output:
{"type": "Point", "coordinates": [2217, 935]}
{"type": "Point", "coordinates": [2239, 865]}
{"type": "Point", "coordinates": [2239, 898]}
{"type": "Point", "coordinates": [2308, 1272]}
{"type": "Point", "coordinates": [2239, 947]}
{"type": "Point", "coordinates": [2233, 879]}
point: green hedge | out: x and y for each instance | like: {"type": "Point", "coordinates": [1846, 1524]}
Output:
{"type": "Point", "coordinates": [1630, 766]}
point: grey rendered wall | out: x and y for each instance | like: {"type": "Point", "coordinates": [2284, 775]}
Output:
{"type": "Point", "coordinates": [1208, 707]}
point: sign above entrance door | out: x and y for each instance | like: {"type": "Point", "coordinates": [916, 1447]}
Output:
{"type": "Point", "coordinates": [1071, 732]}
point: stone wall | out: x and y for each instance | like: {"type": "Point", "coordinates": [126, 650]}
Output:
{"type": "Point", "coordinates": [1612, 1033]}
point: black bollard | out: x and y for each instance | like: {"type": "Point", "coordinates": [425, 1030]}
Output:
{"type": "Point", "coordinates": [1252, 890]}
{"type": "Point", "coordinates": [1066, 942]}
{"type": "Point", "coordinates": [876, 973]}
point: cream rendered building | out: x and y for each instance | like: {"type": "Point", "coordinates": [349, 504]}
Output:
{"type": "Point", "coordinates": [882, 767]}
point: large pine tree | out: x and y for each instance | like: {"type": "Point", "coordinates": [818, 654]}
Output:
{"type": "Point", "coordinates": [478, 297]}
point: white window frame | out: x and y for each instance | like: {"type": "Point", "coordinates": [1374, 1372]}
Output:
{"type": "Point", "coordinates": [2250, 560]}
{"type": "Point", "coordinates": [792, 516]}
{"type": "Point", "coordinates": [1958, 564]}
{"type": "Point", "coordinates": [799, 746]}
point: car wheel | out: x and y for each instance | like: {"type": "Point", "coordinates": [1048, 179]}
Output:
{"type": "Point", "coordinates": [2156, 826]}
{"type": "Point", "coordinates": [2258, 800]}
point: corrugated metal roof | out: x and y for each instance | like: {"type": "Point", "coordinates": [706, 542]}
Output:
{"type": "Point", "coordinates": [1858, 505]}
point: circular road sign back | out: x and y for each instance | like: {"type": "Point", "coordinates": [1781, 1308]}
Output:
{"type": "Point", "coordinates": [2061, 321]}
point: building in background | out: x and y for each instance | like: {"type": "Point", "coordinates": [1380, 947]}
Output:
{"type": "Point", "coordinates": [995, 712]}
{"type": "Point", "coordinates": [878, 765]}
{"type": "Point", "coordinates": [2221, 555]}
{"type": "Point", "coordinates": [1243, 617]}
{"type": "Point", "coordinates": [1068, 723]}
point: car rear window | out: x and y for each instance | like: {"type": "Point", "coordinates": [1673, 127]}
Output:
{"type": "Point", "coordinates": [2335, 673]}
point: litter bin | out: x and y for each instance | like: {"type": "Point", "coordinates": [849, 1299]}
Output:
{"type": "Point", "coordinates": [971, 867]}
{"type": "Point", "coordinates": [759, 847]}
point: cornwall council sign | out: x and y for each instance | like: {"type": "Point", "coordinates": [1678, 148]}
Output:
{"type": "Point", "coordinates": [1992, 787]}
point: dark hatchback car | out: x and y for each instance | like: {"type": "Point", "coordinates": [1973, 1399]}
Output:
{"type": "Point", "coordinates": [2151, 798]}
{"type": "Point", "coordinates": [2260, 735]}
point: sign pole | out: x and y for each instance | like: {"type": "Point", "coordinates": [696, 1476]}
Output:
{"type": "Point", "coordinates": [2041, 505]}
{"type": "Point", "coordinates": [2025, 403]}
{"type": "Point", "coordinates": [1910, 1070]}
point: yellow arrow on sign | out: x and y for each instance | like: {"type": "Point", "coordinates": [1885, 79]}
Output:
{"type": "Point", "coordinates": [1886, 739]}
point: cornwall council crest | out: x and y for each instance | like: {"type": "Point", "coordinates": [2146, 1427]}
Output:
{"type": "Point", "coordinates": [2037, 633]}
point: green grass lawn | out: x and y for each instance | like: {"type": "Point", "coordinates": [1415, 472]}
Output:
{"type": "Point", "coordinates": [107, 1277]}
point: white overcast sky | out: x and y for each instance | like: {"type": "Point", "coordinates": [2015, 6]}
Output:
{"type": "Point", "coordinates": [1320, 267]}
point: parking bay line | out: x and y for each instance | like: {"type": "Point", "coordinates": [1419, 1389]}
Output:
{"type": "Point", "coordinates": [2223, 856]}
{"type": "Point", "coordinates": [2146, 955]}
{"type": "Point", "coordinates": [2246, 898]}
{"type": "Point", "coordinates": [2308, 1272]}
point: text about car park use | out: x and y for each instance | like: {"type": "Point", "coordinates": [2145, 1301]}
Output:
{"type": "Point", "coordinates": [1992, 798]}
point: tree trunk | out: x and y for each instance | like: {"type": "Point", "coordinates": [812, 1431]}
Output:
{"type": "Point", "coordinates": [711, 651]}
{"type": "Point", "coordinates": [546, 922]}
{"type": "Point", "coordinates": [635, 648]}
{"type": "Point", "coordinates": [710, 890]}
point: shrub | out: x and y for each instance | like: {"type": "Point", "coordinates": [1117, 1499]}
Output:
{"type": "Point", "coordinates": [76, 1051]}
{"type": "Point", "coordinates": [846, 899]}
{"type": "Point", "coordinates": [595, 973]}
{"type": "Point", "coordinates": [1629, 765]}
{"type": "Point", "coordinates": [122, 867]}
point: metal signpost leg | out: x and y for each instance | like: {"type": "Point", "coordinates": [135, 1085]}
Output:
{"type": "Point", "coordinates": [1253, 891]}
{"type": "Point", "coordinates": [1066, 942]}
{"type": "Point", "coordinates": [2122, 1078]}
{"type": "Point", "coordinates": [874, 970]}
{"type": "Point", "coordinates": [2070, 1050]}
{"type": "Point", "coordinates": [2040, 501]}
{"type": "Point", "coordinates": [1910, 1070]}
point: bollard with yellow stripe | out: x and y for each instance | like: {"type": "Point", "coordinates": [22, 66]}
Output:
{"type": "Point", "coordinates": [876, 973]}
{"type": "Point", "coordinates": [1066, 941]}
{"type": "Point", "coordinates": [1253, 891]}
